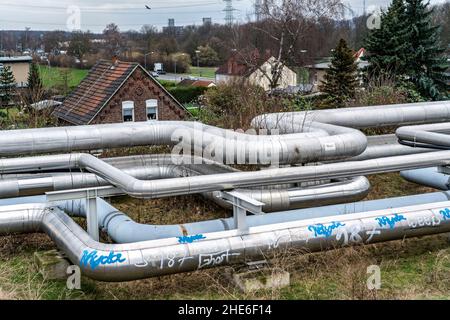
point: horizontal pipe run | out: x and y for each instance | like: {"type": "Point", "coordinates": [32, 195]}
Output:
{"type": "Point", "coordinates": [227, 181]}
{"type": "Point", "coordinates": [362, 117]}
{"type": "Point", "coordinates": [316, 141]}
{"type": "Point", "coordinates": [278, 198]}
{"type": "Point", "coordinates": [431, 135]}
{"type": "Point", "coordinates": [386, 146]}
{"type": "Point", "coordinates": [122, 229]}
{"type": "Point", "coordinates": [123, 262]}
{"type": "Point", "coordinates": [430, 177]}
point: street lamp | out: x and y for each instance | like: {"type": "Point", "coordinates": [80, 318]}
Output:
{"type": "Point", "coordinates": [197, 52]}
{"type": "Point", "coordinates": [145, 59]}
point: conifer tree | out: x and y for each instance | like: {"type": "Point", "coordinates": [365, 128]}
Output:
{"type": "Point", "coordinates": [426, 63]}
{"type": "Point", "coordinates": [340, 80]}
{"type": "Point", "coordinates": [34, 82]}
{"type": "Point", "coordinates": [7, 84]}
{"type": "Point", "coordinates": [387, 47]}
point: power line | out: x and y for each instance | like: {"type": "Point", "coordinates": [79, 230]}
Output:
{"type": "Point", "coordinates": [109, 10]}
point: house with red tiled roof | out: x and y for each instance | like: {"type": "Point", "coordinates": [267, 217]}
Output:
{"type": "Point", "coordinates": [255, 68]}
{"type": "Point", "coordinates": [117, 91]}
{"type": "Point", "coordinates": [197, 83]}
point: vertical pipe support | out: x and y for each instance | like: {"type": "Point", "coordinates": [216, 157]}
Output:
{"type": "Point", "coordinates": [92, 215]}
{"type": "Point", "coordinates": [241, 205]}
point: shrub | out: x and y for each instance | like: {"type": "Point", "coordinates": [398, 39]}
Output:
{"type": "Point", "coordinates": [186, 94]}
{"type": "Point", "coordinates": [234, 105]}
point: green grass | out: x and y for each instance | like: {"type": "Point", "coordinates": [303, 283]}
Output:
{"type": "Point", "coordinates": [204, 72]}
{"type": "Point", "coordinates": [51, 76]}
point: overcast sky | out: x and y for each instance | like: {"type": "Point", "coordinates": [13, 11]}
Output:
{"type": "Point", "coordinates": [52, 14]}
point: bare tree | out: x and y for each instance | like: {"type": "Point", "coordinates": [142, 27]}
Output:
{"type": "Point", "coordinates": [284, 23]}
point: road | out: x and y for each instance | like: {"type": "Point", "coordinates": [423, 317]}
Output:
{"type": "Point", "coordinates": [179, 77]}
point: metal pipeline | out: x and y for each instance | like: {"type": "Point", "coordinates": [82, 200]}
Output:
{"type": "Point", "coordinates": [386, 146]}
{"type": "Point", "coordinates": [122, 229]}
{"type": "Point", "coordinates": [363, 117]}
{"type": "Point", "coordinates": [430, 177]}
{"type": "Point", "coordinates": [123, 262]}
{"type": "Point", "coordinates": [315, 142]}
{"type": "Point", "coordinates": [226, 181]}
{"type": "Point", "coordinates": [278, 198]}
{"type": "Point", "coordinates": [427, 136]}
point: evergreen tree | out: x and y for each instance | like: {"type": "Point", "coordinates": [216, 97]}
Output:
{"type": "Point", "coordinates": [426, 63]}
{"type": "Point", "coordinates": [7, 84]}
{"type": "Point", "coordinates": [407, 48]}
{"type": "Point", "coordinates": [388, 46]}
{"type": "Point", "coordinates": [340, 80]}
{"type": "Point", "coordinates": [34, 83]}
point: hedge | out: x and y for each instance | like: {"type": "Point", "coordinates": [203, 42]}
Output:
{"type": "Point", "coordinates": [186, 94]}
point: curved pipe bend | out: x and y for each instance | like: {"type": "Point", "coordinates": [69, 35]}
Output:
{"type": "Point", "coordinates": [428, 136]}
{"type": "Point", "coordinates": [312, 143]}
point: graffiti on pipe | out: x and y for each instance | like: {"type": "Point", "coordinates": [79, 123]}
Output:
{"type": "Point", "coordinates": [191, 239]}
{"type": "Point", "coordinates": [92, 259]}
{"type": "Point", "coordinates": [323, 230]}
{"type": "Point", "coordinates": [390, 221]}
{"type": "Point", "coordinates": [173, 261]}
{"type": "Point", "coordinates": [214, 259]}
{"type": "Point", "coordinates": [445, 213]}
{"type": "Point", "coordinates": [422, 221]}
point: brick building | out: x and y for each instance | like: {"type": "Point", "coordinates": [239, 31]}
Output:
{"type": "Point", "coordinates": [117, 91]}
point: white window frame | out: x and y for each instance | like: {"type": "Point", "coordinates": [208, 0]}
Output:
{"type": "Point", "coordinates": [127, 105]}
{"type": "Point", "coordinates": [154, 105]}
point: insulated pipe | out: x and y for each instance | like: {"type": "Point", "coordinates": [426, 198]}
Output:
{"type": "Point", "coordinates": [122, 229]}
{"type": "Point", "coordinates": [124, 262]}
{"type": "Point", "coordinates": [386, 146]}
{"type": "Point", "coordinates": [429, 177]}
{"type": "Point", "coordinates": [313, 143]}
{"type": "Point", "coordinates": [274, 199]}
{"type": "Point", "coordinates": [431, 135]}
{"type": "Point", "coordinates": [362, 117]}
{"type": "Point", "coordinates": [226, 181]}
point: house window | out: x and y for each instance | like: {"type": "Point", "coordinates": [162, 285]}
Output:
{"type": "Point", "coordinates": [128, 111]}
{"type": "Point", "coordinates": [152, 109]}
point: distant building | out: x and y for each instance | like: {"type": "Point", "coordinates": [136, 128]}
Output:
{"type": "Point", "coordinates": [257, 71]}
{"type": "Point", "coordinates": [318, 70]}
{"type": "Point", "coordinates": [196, 83]}
{"type": "Point", "coordinates": [20, 67]}
{"type": "Point", "coordinates": [207, 21]}
{"type": "Point", "coordinates": [172, 29]}
{"type": "Point", "coordinates": [117, 91]}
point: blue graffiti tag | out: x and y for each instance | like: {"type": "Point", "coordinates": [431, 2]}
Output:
{"type": "Point", "coordinates": [384, 221]}
{"type": "Point", "coordinates": [321, 230]}
{"type": "Point", "coordinates": [190, 239]}
{"type": "Point", "coordinates": [94, 260]}
{"type": "Point", "coordinates": [445, 213]}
